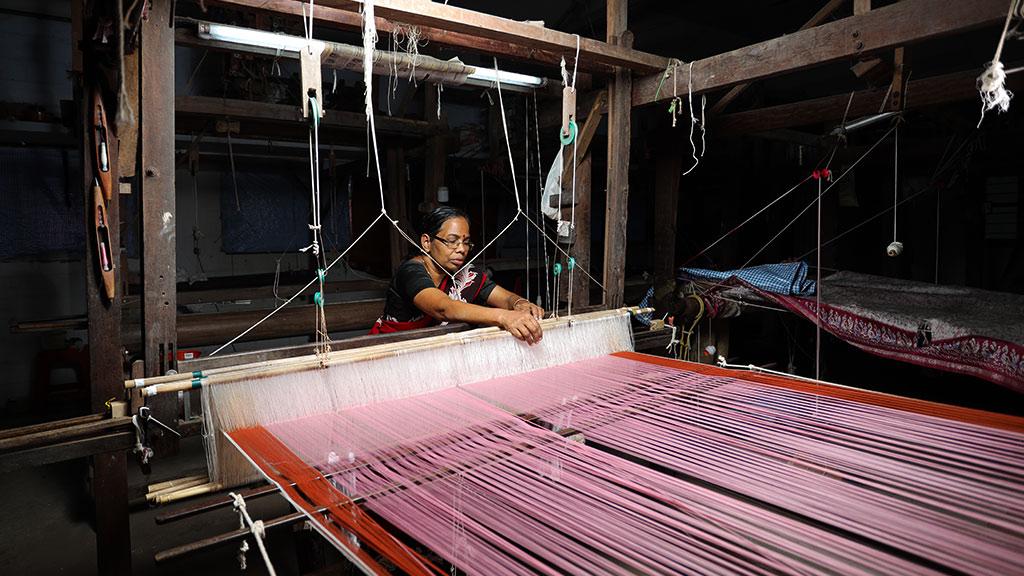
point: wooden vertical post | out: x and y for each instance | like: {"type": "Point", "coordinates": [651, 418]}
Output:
{"type": "Point", "coordinates": [397, 206]}
{"type": "Point", "coordinates": [158, 217]}
{"type": "Point", "coordinates": [861, 7]}
{"type": "Point", "coordinates": [668, 168]}
{"type": "Point", "coordinates": [619, 109]}
{"type": "Point", "coordinates": [435, 154]}
{"type": "Point", "coordinates": [581, 248]}
{"type": "Point", "coordinates": [898, 77]}
{"type": "Point", "coordinates": [110, 473]}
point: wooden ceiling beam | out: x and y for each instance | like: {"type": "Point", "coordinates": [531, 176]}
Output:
{"type": "Point", "coordinates": [459, 27]}
{"type": "Point", "coordinates": [941, 89]}
{"type": "Point", "coordinates": [350, 21]}
{"type": "Point", "coordinates": [902, 23]}
{"type": "Point", "coordinates": [818, 19]}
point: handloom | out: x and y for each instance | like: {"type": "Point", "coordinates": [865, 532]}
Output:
{"type": "Point", "coordinates": [463, 445]}
{"type": "Point", "coordinates": [953, 328]}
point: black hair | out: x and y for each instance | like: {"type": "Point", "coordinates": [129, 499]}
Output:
{"type": "Point", "coordinates": [433, 221]}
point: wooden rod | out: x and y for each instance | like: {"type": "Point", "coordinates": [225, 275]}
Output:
{"type": "Point", "coordinates": [183, 382]}
{"type": "Point", "coordinates": [176, 482]}
{"type": "Point", "coordinates": [189, 492]}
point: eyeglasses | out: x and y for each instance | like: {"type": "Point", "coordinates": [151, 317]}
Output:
{"type": "Point", "coordinates": [454, 244]}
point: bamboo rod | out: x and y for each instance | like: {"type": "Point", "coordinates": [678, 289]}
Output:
{"type": "Point", "coordinates": [184, 382]}
{"type": "Point", "coordinates": [187, 493]}
{"type": "Point", "coordinates": [176, 482]}
{"type": "Point", "coordinates": [154, 495]}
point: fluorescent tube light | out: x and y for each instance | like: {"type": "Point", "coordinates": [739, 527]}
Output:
{"type": "Point", "coordinates": [250, 37]}
{"type": "Point", "coordinates": [286, 43]}
{"type": "Point", "coordinates": [489, 75]}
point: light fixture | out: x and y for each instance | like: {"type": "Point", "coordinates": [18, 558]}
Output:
{"type": "Point", "coordinates": [490, 76]}
{"type": "Point", "coordinates": [286, 43]}
{"type": "Point", "coordinates": [250, 37]}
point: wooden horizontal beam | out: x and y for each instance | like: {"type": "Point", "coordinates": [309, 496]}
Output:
{"type": "Point", "coordinates": [347, 20]}
{"type": "Point", "coordinates": [237, 359]}
{"type": "Point", "coordinates": [232, 294]}
{"type": "Point", "coordinates": [62, 431]}
{"type": "Point", "coordinates": [464, 28]}
{"type": "Point", "coordinates": [905, 22]}
{"type": "Point", "coordinates": [283, 114]}
{"type": "Point", "coordinates": [819, 18]}
{"type": "Point", "coordinates": [923, 92]}
{"type": "Point", "coordinates": [219, 327]}
{"type": "Point", "coordinates": [64, 440]}
{"type": "Point", "coordinates": [62, 451]}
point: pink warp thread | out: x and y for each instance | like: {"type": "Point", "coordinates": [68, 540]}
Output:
{"type": "Point", "coordinates": [946, 492]}
{"type": "Point", "coordinates": [493, 494]}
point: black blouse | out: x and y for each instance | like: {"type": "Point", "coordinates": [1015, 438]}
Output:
{"type": "Point", "coordinates": [411, 278]}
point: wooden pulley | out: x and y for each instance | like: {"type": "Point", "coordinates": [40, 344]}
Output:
{"type": "Point", "coordinates": [568, 114]}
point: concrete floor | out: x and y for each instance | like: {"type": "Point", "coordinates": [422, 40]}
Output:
{"type": "Point", "coordinates": [48, 526]}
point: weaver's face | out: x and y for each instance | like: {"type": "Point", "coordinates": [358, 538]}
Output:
{"type": "Point", "coordinates": [450, 247]}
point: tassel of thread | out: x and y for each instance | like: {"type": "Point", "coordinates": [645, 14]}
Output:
{"type": "Point", "coordinates": [992, 82]}
{"type": "Point", "coordinates": [992, 87]}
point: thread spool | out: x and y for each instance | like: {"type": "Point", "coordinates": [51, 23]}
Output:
{"type": "Point", "coordinates": [894, 249]}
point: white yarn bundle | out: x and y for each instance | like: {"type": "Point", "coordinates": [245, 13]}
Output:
{"type": "Point", "coordinates": [992, 82]}
{"type": "Point", "coordinates": [992, 87]}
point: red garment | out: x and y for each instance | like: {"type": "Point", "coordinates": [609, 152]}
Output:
{"type": "Point", "coordinates": [387, 326]}
{"type": "Point", "coordinates": [382, 326]}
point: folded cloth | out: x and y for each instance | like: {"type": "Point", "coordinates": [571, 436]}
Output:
{"type": "Point", "coordinates": [788, 279]}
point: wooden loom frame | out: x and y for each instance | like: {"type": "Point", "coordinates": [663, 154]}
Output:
{"type": "Point", "coordinates": [929, 408]}
{"type": "Point", "coordinates": [862, 34]}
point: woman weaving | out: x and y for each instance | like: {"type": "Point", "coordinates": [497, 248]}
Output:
{"type": "Point", "coordinates": [422, 292]}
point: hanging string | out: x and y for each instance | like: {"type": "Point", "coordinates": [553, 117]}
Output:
{"type": "Point", "coordinates": [992, 82]}
{"type": "Point", "coordinates": [554, 243]}
{"type": "Point", "coordinates": [369, 43]}
{"type": "Point", "coordinates": [572, 210]}
{"type": "Point", "coordinates": [511, 164]}
{"type": "Point", "coordinates": [693, 120]}
{"type": "Point", "coordinates": [675, 107]}
{"type": "Point", "coordinates": [314, 106]}
{"type": "Point", "coordinates": [440, 89]}
{"type": "Point", "coordinates": [256, 528]}
{"type": "Point", "coordinates": [231, 160]}
{"type": "Point", "coordinates": [526, 192]}
{"type": "Point", "coordinates": [817, 294]}
{"type": "Point", "coordinates": [747, 221]}
{"type": "Point", "coordinates": [895, 179]}
{"type": "Point", "coordinates": [825, 173]}
{"type": "Point", "coordinates": [825, 191]}
{"type": "Point", "coordinates": [540, 210]}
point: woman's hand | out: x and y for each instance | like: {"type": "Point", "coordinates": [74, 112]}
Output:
{"type": "Point", "coordinates": [521, 324]}
{"type": "Point", "coordinates": [524, 305]}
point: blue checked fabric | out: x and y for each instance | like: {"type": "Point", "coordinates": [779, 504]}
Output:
{"type": "Point", "coordinates": [788, 279]}
{"type": "Point", "coordinates": [646, 317]}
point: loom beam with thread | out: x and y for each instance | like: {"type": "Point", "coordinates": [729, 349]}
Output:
{"type": "Point", "coordinates": [232, 395]}
{"type": "Point", "coordinates": [250, 494]}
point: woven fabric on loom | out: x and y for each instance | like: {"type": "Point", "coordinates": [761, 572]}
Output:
{"type": "Point", "coordinates": [953, 328]}
{"type": "Point", "coordinates": [494, 494]}
{"type": "Point", "coordinates": [788, 278]}
{"type": "Point", "coordinates": [940, 492]}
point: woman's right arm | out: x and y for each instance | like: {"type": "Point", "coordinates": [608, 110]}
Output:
{"type": "Point", "coordinates": [437, 304]}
